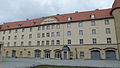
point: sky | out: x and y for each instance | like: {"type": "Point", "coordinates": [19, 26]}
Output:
{"type": "Point", "coordinates": [19, 10]}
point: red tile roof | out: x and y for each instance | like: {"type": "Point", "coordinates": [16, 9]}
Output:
{"type": "Point", "coordinates": [116, 4]}
{"type": "Point", "coordinates": [104, 13]}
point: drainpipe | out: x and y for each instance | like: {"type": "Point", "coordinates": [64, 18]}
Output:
{"type": "Point", "coordinates": [76, 53]}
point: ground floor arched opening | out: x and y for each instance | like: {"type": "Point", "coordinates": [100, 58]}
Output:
{"type": "Point", "coordinates": [110, 55]}
{"type": "Point", "coordinates": [95, 55]}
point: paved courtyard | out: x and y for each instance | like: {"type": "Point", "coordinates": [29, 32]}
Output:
{"type": "Point", "coordinates": [25, 63]}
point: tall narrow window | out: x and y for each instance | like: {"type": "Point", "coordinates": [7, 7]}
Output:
{"type": "Point", "coordinates": [16, 31]}
{"type": "Point", "coordinates": [57, 42]}
{"type": "Point", "coordinates": [39, 28]}
{"type": "Point", "coordinates": [93, 23]}
{"type": "Point", "coordinates": [30, 35]}
{"type": "Point", "coordinates": [109, 40]}
{"type": "Point", "coordinates": [22, 43]}
{"type": "Point", "coordinates": [47, 42]}
{"type": "Point", "coordinates": [69, 25]}
{"type": "Point", "coordinates": [52, 34]}
{"type": "Point", "coordinates": [9, 31]}
{"type": "Point", "coordinates": [43, 35]}
{"type": "Point", "coordinates": [69, 33]}
{"type": "Point", "coordinates": [53, 27]}
{"type": "Point", "coordinates": [4, 32]}
{"type": "Point", "coordinates": [14, 43]}
{"type": "Point", "coordinates": [69, 41]}
{"type": "Point", "coordinates": [15, 37]}
{"type": "Point", "coordinates": [30, 29]}
{"type": "Point", "coordinates": [93, 31]}
{"type": "Point", "coordinates": [3, 38]}
{"type": "Point", "coordinates": [107, 22]}
{"type": "Point", "coordinates": [80, 24]}
{"type": "Point", "coordinates": [8, 44]}
{"type": "Point", "coordinates": [38, 43]}
{"type": "Point", "coordinates": [81, 41]}
{"type": "Point", "coordinates": [80, 32]}
{"type": "Point", "coordinates": [52, 42]}
{"type": "Point", "coordinates": [8, 37]}
{"type": "Point", "coordinates": [22, 37]}
{"type": "Point", "coordinates": [47, 34]}
{"type": "Point", "coordinates": [43, 27]}
{"type": "Point", "coordinates": [94, 40]}
{"type": "Point", "coordinates": [57, 34]}
{"type": "Point", "coordinates": [23, 30]}
{"type": "Point", "coordinates": [43, 43]}
{"type": "Point", "coordinates": [81, 55]}
{"type": "Point", "coordinates": [38, 35]}
{"type": "Point", "coordinates": [48, 27]}
{"type": "Point", "coordinates": [108, 31]}
{"type": "Point", "coordinates": [58, 26]}
{"type": "Point", "coordinates": [29, 43]}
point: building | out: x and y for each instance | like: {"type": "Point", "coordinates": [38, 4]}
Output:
{"type": "Point", "coordinates": [80, 35]}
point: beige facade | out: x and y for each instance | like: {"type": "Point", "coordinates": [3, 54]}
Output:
{"type": "Point", "coordinates": [82, 39]}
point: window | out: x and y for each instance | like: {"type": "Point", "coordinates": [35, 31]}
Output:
{"type": "Point", "coordinates": [94, 40]}
{"type": "Point", "coordinates": [47, 42]}
{"type": "Point", "coordinates": [43, 42]}
{"type": "Point", "coordinates": [69, 18]}
{"type": "Point", "coordinates": [14, 43]}
{"type": "Point", "coordinates": [93, 23]}
{"type": "Point", "coordinates": [52, 34]}
{"type": "Point", "coordinates": [58, 26]}
{"type": "Point", "coordinates": [108, 31]}
{"type": "Point", "coordinates": [39, 27]}
{"type": "Point", "coordinates": [80, 32]}
{"type": "Point", "coordinates": [30, 35]}
{"type": "Point", "coordinates": [53, 26]}
{"type": "Point", "coordinates": [69, 25]}
{"type": "Point", "coordinates": [80, 24]}
{"type": "Point", "coordinates": [9, 31]}
{"type": "Point", "coordinates": [52, 42]}
{"type": "Point", "coordinates": [4, 32]}
{"type": "Point", "coordinates": [43, 27]}
{"type": "Point", "coordinates": [57, 42]}
{"type": "Point", "coordinates": [48, 27]}
{"type": "Point", "coordinates": [69, 41]}
{"type": "Point", "coordinates": [69, 33]}
{"type": "Point", "coordinates": [15, 37]}
{"type": "Point", "coordinates": [21, 53]}
{"type": "Point", "coordinates": [38, 35]}
{"type": "Point", "coordinates": [22, 37]}
{"type": "Point", "coordinates": [92, 16]}
{"type": "Point", "coordinates": [29, 43]}
{"type": "Point", "coordinates": [8, 44]}
{"type": "Point", "coordinates": [81, 41]}
{"type": "Point", "coordinates": [81, 55]}
{"type": "Point", "coordinates": [93, 31]}
{"type": "Point", "coordinates": [30, 29]}
{"type": "Point", "coordinates": [47, 34]}
{"type": "Point", "coordinates": [47, 54]}
{"type": "Point", "coordinates": [43, 35]}
{"type": "Point", "coordinates": [38, 43]}
{"type": "Point", "coordinates": [23, 30]}
{"type": "Point", "coordinates": [3, 38]}
{"type": "Point", "coordinates": [16, 31]}
{"type": "Point", "coordinates": [29, 53]}
{"type": "Point", "coordinates": [22, 43]}
{"type": "Point", "coordinates": [58, 34]}
{"type": "Point", "coordinates": [107, 22]}
{"type": "Point", "coordinates": [109, 40]}
{"type": "Point", "coordinates": [8, 37]}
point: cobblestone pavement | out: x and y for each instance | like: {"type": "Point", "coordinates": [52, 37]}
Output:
{"type": "Point", "coordinates": [24, 63]}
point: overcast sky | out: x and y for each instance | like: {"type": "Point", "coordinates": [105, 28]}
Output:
{"type": "Point", "coordinates": [16, 10]}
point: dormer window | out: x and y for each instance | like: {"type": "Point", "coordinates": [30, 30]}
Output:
{"type": "Point", "coordinates": [92, 16]}
{"type": "Point", "coordinates": [69, 18]}
{"type": "Point", "coordinates": [33, 23]}
{"type": "Point", "coordinates": [19, 25]}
